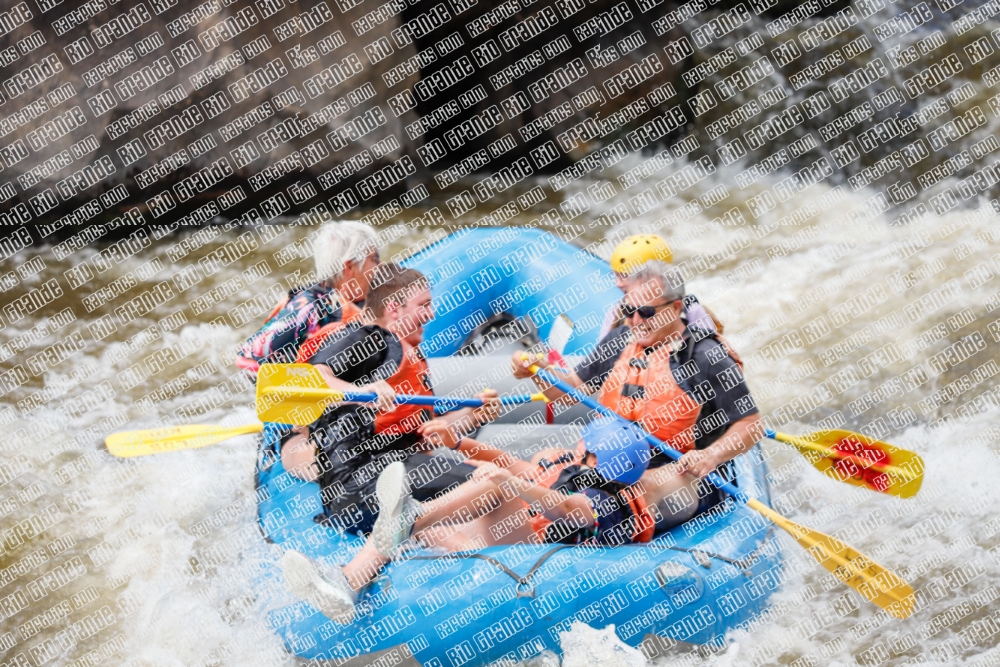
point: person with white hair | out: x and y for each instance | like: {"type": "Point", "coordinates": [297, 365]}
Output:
{"type": "Point", "coordinates": [346, 254]}
{"type": "Point", "coordinates": [679, 382]}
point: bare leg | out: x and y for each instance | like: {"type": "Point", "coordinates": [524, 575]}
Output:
{"type": "Point", "coordinates": [479, 515]}
{"type": "Point", "coordinates": [501, 523]}
{"type": "Point", "coordinates": [298, 456]}
{"type": "Point", "coordinates": [465, 503]}
{"type": "Point", "coordinates": [454, 537]}
{"type": "Point", "coordinates": [675, 496]}
{"type": "Point", "coordinates": [509, 523]}
{"type": "Point", "coordinates": [365, 566]}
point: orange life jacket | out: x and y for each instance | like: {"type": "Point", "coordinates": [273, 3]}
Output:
{"type": "Point", "coordinates": [412, 377]}
{"type": "Point", "coordinates": [547, 474]}
{"type": "Point", "coordinates": [641, 388]}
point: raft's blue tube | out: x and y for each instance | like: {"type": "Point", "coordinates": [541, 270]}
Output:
{"type": "Point", "coordinates": [479, 273]}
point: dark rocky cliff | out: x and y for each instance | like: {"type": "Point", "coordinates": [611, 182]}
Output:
{"type": "Point", "coordinates": [182, 112]}
{"type": "Point", "coordinates": [187, 109]}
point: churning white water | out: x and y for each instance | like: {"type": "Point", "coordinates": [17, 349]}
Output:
{"type": "Point", "coordinates": [163, 551]}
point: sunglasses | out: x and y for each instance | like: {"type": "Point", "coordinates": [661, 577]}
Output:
{"type": "Point", "coordinates": [645, 312]}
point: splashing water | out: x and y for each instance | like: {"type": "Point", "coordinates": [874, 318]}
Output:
{"type": "Point", "coordinates": [169, 548]}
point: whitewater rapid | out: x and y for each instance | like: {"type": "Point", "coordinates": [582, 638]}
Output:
{"type": "Point", "coordinates": [164, 550]}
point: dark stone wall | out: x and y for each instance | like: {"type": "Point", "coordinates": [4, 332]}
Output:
{"type": "Point", "coordinates": [288, 111]}
{"type": "Point", "coordinates": [338, 106]}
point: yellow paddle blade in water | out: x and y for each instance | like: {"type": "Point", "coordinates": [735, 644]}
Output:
{"type": "Point", "coordinates": [875, 583]}
{"type": "Point", "coordinates": [861, 461]}
{"type": "Point", "coordinates": [292, 394]}
{"type": "Point", "coordinates": [127, 444]}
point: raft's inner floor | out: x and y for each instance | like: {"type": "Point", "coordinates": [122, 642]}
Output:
{"type": "Point", "coordinates": [468, 375]}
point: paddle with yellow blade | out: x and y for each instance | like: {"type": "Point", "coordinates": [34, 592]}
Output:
{"type": "Point", "coordinates": [297, 394]}
{"type": "Point", "coordinates": [859, 460]}
{"type": "Point", "coordinates": [293, 394]}
{"type": "Point", "coordinates": [871, 580]}
{"type": "Point", "coordinates": [127, 444]}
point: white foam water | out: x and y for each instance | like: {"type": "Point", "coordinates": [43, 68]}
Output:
{"type": "Point", "coordinates": [170, 546]}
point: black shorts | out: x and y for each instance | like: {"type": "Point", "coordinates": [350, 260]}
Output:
{"type": "Point", "coordinates": [432, 476]}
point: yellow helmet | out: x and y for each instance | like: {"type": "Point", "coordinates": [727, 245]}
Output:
{"type": "Point", "coordinates": [636, 250]}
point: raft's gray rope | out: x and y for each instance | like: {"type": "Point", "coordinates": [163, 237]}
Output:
{"type": "Point", "coordinates": [743, 564]}
{"type": "Point", "coordinates": [521, 581]}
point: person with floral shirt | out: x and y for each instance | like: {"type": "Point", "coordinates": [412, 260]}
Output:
{"type": "Point", "coordinates": [345, 253]}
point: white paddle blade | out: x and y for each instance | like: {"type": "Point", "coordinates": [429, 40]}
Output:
{"type": "Point", "coordinates": [559, 335]}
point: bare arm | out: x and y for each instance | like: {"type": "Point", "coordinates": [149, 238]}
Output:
{"type": "Point", "coordinates": [738, 438]}
{"type": "Point", "coordinates": [467, 420]}
{"type": "Point", "coordinates": [448, 429]}
{"type": "Point", "coordinates": [520, 364]}
{"type": "Point", "coordinates": [481, 451]}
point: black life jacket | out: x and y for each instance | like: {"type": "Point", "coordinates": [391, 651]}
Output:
{"type": "Point", "coordinates": [352, 449]}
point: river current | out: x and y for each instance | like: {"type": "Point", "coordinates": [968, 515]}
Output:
{"type": "Point", "coordinates": [161, 552]}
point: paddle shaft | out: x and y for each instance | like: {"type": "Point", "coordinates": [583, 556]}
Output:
{"type": "Point", "coordinates": [173, 438]}
{"type": "Point", "coordinates": [651, 439]}
{"type": "Point", "coordinates": [405, 399]}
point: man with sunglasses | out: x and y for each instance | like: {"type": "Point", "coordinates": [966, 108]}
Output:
{"type": "Point", "coordinates": [630, 255]}
{"type": "Point", "coordinates": [679, 382]}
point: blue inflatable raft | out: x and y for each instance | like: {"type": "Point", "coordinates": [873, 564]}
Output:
{"type": "Point", "coordinates": [690, 584]}
{"type": "Point", "coordinates": [490, 276]}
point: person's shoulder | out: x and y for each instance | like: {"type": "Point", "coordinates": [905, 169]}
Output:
{"type": "Point", "coordinates": [309, 297]}
{"type": "Point", "coordinates": [310, 293]}
{"type": "Point", "coordinates": [359, 331]}
{"type": "Point", "coordinates": [367, 344]}
{"type": "Point", "coordinates": [704, 346]}
{"type": "Point", "coordinates": [352, 333]}
{"type": "Point", "coordinates": [618, 332]}
{"type": "Point", "coordinates": [382, 340]}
